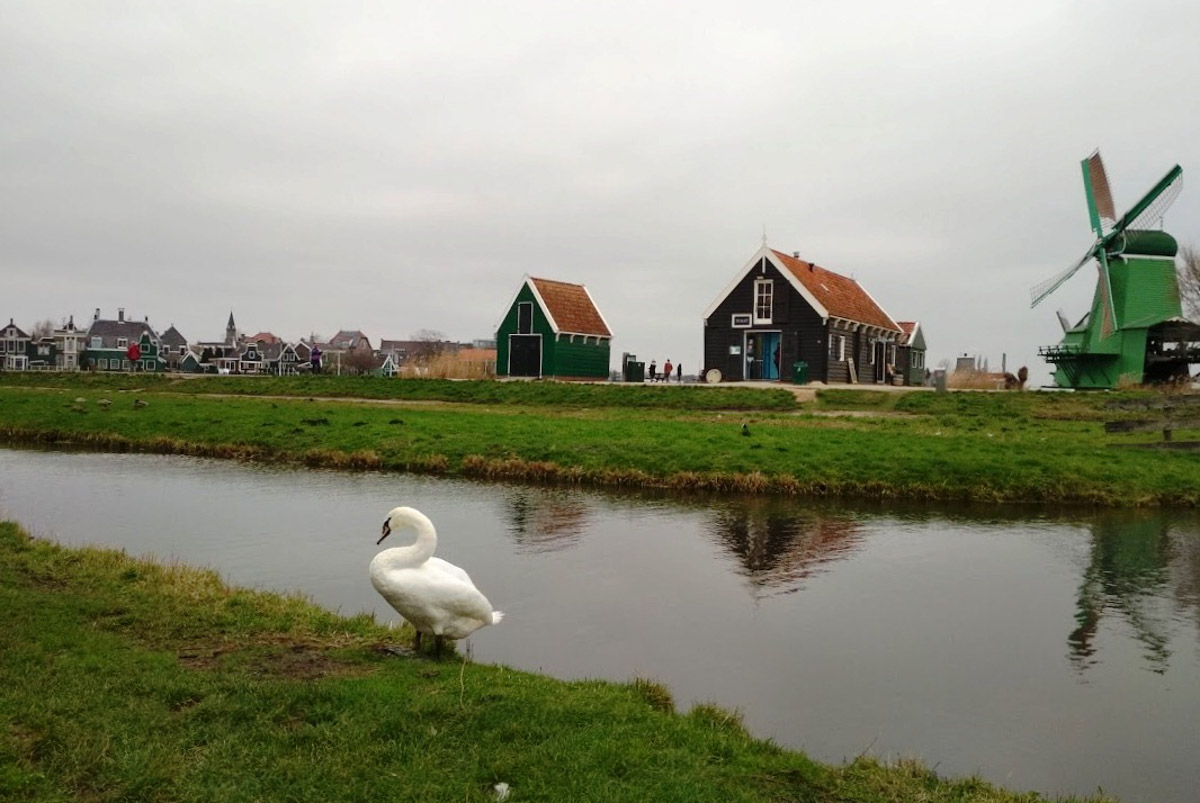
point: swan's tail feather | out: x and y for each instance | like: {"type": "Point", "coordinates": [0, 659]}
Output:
{"type": "Point", "coordinates": [497, 616]}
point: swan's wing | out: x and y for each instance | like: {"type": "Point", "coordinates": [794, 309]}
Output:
{"type": "Point", "coordinates": [450, 569]}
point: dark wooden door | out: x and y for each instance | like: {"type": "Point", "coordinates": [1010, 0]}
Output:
{"type": "Point", "coordinates": [525, 355]}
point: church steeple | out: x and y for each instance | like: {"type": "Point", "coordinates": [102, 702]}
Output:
{"type": "Point", "coordinates": [231, 332]}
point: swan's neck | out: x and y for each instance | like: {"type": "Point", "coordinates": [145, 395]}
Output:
{"type": "Point", "coordinates": [415, 554]}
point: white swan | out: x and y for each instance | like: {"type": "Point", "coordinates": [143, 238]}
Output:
{"type": "Point", "coordinates": [434, 596]}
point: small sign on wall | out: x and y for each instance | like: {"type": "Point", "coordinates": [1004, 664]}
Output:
{"type": "Point", "coordinates": [741, 321]}
{"type": "Point", "coordinates": [735, 350]}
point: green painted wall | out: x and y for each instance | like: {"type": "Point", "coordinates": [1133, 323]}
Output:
{"type": "Point", "coordinates": [149, 361]}
{"type": "Point", "coordinates": [559, 357]}
{"type": "Point", "coordinates": [1145, 292]}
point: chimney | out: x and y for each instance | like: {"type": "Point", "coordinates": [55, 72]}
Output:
{"type": "Point", "coordinates": [795, 255]}
{"type": "Point", "coordinates": [96, 317]}
{"type": "Point", "coordinates": [121, 314]}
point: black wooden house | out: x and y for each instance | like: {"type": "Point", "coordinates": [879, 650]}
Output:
{"type": "Point", "coordinates": [780, 311]}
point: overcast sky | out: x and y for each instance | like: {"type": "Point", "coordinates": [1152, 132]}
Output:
{"type": "Point", "coordinates": [393, 167]}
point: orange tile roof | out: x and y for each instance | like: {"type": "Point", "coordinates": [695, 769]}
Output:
{"type": "Point", "coordinates": [907, 327]}
{"type": "Point", "coordinates": [841, 296]}
{"type": "Point", "coordinates": [571, 307]}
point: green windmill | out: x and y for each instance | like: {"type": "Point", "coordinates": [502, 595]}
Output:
{"type": "Point", "coordinates": [1135, 331]}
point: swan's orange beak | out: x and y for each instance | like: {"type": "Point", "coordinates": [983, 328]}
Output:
{"type": "Point", "coordinates": [387, 530]}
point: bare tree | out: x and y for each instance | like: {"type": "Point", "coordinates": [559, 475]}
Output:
{"type": "Point", "coordinates": [430, 344]}
{"type": "Point", "coordinates": [1188, 269]}
{"type": "Point", "coordinates": [358, 361]}
{"type": "Point", "coordinates": [43, 328]}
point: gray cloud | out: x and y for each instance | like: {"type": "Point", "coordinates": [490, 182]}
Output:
{"type": "Point", "coordinates": [388, 167]}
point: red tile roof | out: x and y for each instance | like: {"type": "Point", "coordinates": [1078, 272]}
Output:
{"type": "Point", "coordinates": [907, 327]}
{"type": "Point", "coordinates": [571, 307]}
{"type": "Point", "coordinates": [840, 295]}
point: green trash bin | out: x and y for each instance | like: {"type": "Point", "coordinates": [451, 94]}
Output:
{"type": "Point", "coordinates": [800, 372]}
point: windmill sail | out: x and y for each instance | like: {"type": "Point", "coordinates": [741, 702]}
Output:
{"type": "Point", "coordinates": [1040, 291]}
{"type": "Point", "coordinates": [1149, 211]}
{"type": "Point", "coordinates": [1100, 200]}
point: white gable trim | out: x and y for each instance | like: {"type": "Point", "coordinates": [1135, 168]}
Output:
{"type": "Point", "coordinates": [542, 303]}
{"type": "Point", "coordinates": [766, 253]}
{"type": "Point", "coordinates": [596, 307]}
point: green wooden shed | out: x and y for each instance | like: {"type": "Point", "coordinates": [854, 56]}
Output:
{"type": "Point", "coordinates": [554, 330]}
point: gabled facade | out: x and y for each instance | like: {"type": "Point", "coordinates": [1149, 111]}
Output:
{"type": "Point", "coordinates": [174, 347]}
{"type": "Point", "coordinates": [42, 354]}
{"type": "Point", "coordinates": [780, 310]}
{"type": "Point", "coordinates": [14, 348]}
{"type": "Point", "coordinates": [108, 343]}
{"type": "Point", "coordinates": [69, 345]}
{"type": "Point", "coordinates": [910, 353]}
{"type": "Point", "coordinates": [553, 329]}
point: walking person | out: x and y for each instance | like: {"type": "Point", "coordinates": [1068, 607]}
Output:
{"type": "Point", "coordinates": [679, 373]}
{"type": "Point", "coordinates": [653, 370]}
{"type": "Point", "coordinates": [667, 371]}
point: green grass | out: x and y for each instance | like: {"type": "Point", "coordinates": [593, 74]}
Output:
{"type": "Point", "coordinates": [545, 394]}
{"type": "Point", "coordinates": [127, 680]}
{"type": "Point", "coordinates": [989, 447]}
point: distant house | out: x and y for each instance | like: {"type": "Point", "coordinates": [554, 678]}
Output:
{"type": "Point", "coordinates": [14, 348]}
{"type": "Point", "coordinates": [174, 347]}
{"type": "Point", "coordinates": [108, 345]}
{"type": "Point", "coordinates": [553, 329]}
{"type": "Point", "coordinates": [349, 340]}
{"type": "Point", "coordinates": [779, 311]}
{"type": "Point", "coordinates": [280, 358]}
{"type": "Point", "coordinates": [42, 353]}
{"type": "Point", "coordinates": [910, 353]}
{"type": "Point", "coordinates": [70, 343]}
{"type": "Point", "coordinates": [190, 363]}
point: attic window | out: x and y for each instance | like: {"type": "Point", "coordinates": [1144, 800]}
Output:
{"type": "Point", "coordinates": [764, 296]}
{"type": "Point", "coordinates": [525, 318]}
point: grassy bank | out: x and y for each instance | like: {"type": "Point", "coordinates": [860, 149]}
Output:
{"type": "Point", "coordinates": [127, 680]}
{"type": "Point", "coordinates": [531, 394]}
{"type": "Point", "coordinates": [1013, 447]}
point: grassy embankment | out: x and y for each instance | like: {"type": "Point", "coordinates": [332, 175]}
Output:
{"type": "Point", "coordinates": [1011, 447]}
{"type": "Point", "coordinates": [127, 680]}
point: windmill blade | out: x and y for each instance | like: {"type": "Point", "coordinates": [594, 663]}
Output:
{"type": "Point", "coordinates": [1154, 204]}
{"type": "Point", "coordinates": [1040, 291]}
{"type": "Point", "coordinates": [1099, 195]}
{"type": "Point", "coordinates": [1108, 312]}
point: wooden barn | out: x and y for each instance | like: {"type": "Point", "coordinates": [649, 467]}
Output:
{"type": "Point", "coordinates": [554, 330]}
{"type": "Point", "coordinates": [780, 310]}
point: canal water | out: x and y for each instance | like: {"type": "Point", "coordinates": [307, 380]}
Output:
{"type": "Point", "coordinates": [1057, 652]}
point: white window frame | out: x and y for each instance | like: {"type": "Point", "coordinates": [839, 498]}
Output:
{"type": "Point", "coordinates": [103, 363]}
{"type": "Point", "coordinates": [841, 348]}
{"type": "Point", "coordinates": [761, 285]}
{"type": "Point", "coordinates": [122, 342]}
{"type": "Point", "coordinates": [97, 342]}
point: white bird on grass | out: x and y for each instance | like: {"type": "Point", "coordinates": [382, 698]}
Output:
{"type": "Point", "coordinates": [434, 596]}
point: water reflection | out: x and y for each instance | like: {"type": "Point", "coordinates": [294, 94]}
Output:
{"type": "Point", "coordinates": [778, 544]}
{"type": "Point", "coordinates": [922, 630]}
{"type": "Point", "coordinates": [1137, 563]}
{"type": "Point", "coordinates": [546, 521]}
